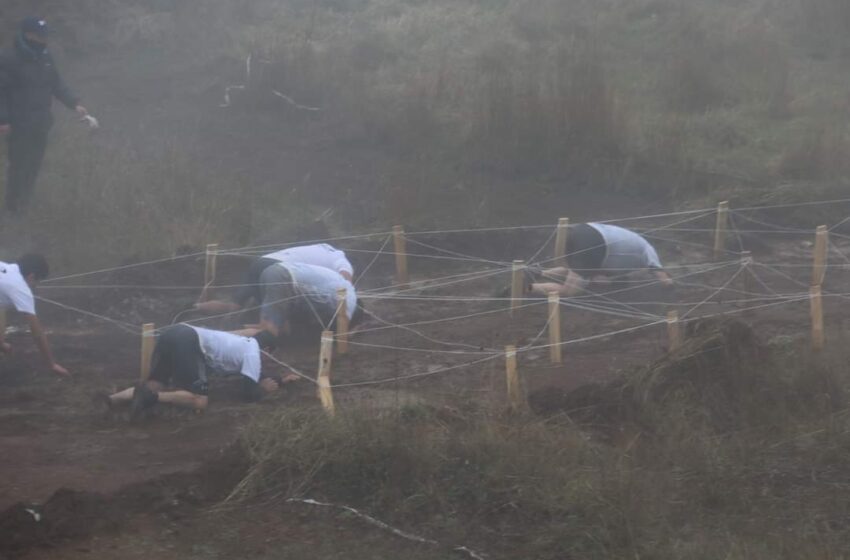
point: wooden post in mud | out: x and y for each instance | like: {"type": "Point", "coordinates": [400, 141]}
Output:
{"type": "Point", "coordinates": [324, 378]}
{"type": "Point", "coordinates": [821, 248]}
{"type": "Point", "coordinates": [342, 321]}
{"type": "Point", "coordinates": [514, 389]}
{"type": "Point", "coordinates": [720, 229]}
{"type": "Point", "coordinates": [674, 329]}
{"type": "Point", "coordinates": [209, 270]}
{"type": "Point", "coordinates": [555, 328]}
{"type": "Point", "coordinates": [517, 285]}
{"type": "Point", "coordinates": [400, 245]}
{"type": "Point", "coordinates": [817, 318]}
{"type": "Point", "coordinates": [561, 236]}
{"type": "Point", "coordinates": [148, 342]}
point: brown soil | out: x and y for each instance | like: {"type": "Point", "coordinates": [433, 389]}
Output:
{"type": "Point", "coordinates": [53, 439]}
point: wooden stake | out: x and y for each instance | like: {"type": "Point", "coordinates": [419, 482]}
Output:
{"type": "Point", "coordinates": [720, 229]}
{"type": "Point", "coordinates": [209, 270]}
{"type": "Point", "coordinates": [746, 279]}
{"type": "Point", "coordinates": [817, 319]}
{"type": "Point", "coordinates": [342, 321]}
{"type": "Point", "coordinates": [555, 328]}
{"type": "Point", "coordinates": [674, 329]}
{"type": "Point", "coordinates": [324, 378]}
{"type": "Point", "coordinates": [400, 243]}
{"type": "Point", "coordinates": [561, 236]}
{"type": "Point", "coordinates": [148, 343]}
{"type": "Point", "coordinates": [514, 390]}
{"type": "Point", "coordinates": [517, 285]}
{"type": "Point", "coordinates": [821, 248]}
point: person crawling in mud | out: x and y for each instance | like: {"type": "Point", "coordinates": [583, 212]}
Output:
{"type": "Point", "coordinates": [289, 292]}
{"type": "Point", "coordinates": [182, 360]}
{"type": "Point", "coordinates": [599, 252]}
{"type": "Point", "coordinates": [17, 282]}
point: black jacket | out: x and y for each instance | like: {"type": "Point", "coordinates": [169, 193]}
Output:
{"type": "Point", "coordinates": [28, 82]}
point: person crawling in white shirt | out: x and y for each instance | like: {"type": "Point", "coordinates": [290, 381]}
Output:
{"type": "Point", "coordinates": [17, 282]}
{"type": "Point", "coordinates": [599, 251]}
{"type": "Point", "coordinates": [182, 360]}
{"type": "Point", "coordinates": [290, 291]}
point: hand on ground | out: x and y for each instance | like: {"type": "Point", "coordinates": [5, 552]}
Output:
{"type": "Point", "coordinates": [665, 279]}
{"type": "Point", "coordinates": [81, 111]}
{"type": "Point", "coordinates": [269, 385]}
{"type": "Point", "coordinates": [6, 348]}
{"type": "Point", "coordinates": [5, 129]}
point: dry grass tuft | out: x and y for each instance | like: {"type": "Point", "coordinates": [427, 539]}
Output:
{"type": "Point", "coordinates": [703, 463]}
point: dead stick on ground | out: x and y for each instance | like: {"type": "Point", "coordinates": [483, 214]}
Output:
{"type": "Point", "coordinates": [148, 343]}
{"type": "Point", "coordinates": [324, 377]}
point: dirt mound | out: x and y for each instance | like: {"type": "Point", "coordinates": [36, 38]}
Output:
{"type": "Point", "coordinates": [70, 514]}
{"type": "Point", "coordinates": [721, 373]}
{"type": "Point", "coordinates": [67, 514]}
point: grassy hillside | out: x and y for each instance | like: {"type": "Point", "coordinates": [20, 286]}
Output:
{"type": "Point", "coordinates": [431, 112]}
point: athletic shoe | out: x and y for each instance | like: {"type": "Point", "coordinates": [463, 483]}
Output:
{"type": "Point", "coordinates": [102, 402]}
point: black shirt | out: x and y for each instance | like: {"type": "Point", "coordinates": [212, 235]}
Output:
{"type": "Point", "coordinates": [29, 81]}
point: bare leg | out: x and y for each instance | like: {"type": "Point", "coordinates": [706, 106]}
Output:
{"type": "Point", "coordinates": [127, 394]}
{"type": "Point", "coordinates": [601, 279]}
{"type": "Point", "coordinates": [122, 396]}
{"type": "Point", "coordinates": [185, 399]}
{"type": "Point", "coordinates": [573, 285]}
{"type": "Point", "coordinates": [559, 273]}
{"type": "Point", "coordinates": [217, 306]}
{"type": "Point", "coordinates": [546, 288]}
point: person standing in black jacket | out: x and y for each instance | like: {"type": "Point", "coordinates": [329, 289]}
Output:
{"type": "Point", "coordinates": [28, 82]}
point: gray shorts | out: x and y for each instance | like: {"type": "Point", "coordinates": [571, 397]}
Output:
{"type": "Point", "coordinates": [277, 290]}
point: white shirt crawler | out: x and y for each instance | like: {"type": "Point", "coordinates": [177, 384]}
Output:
{"type": "Point", "coordinates": [320, 254]}
{"type": "Point", "coordinates": [625, 249]}
{"type": "Point", "coordinates": [229, 353]}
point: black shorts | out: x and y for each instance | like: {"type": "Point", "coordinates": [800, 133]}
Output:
{"type": "Point", "coordinates": [178, 360]}
{"type": "Point", "coordinates": [586, 250]}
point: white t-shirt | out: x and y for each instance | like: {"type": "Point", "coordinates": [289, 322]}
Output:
{"type": "Point", "coordinates": [15, 293]}
{"type": "Point", "coordinates": [320, 254]}
{"type": "Point", "coordinates": [626, 250]}
{"type": "Point", "coordinates": [230, 353]}
{"type": "Point", "coordinates": [319, 286]}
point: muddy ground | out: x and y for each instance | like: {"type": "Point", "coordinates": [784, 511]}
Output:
{"type": "Point", "coordinates": [52, 437]}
